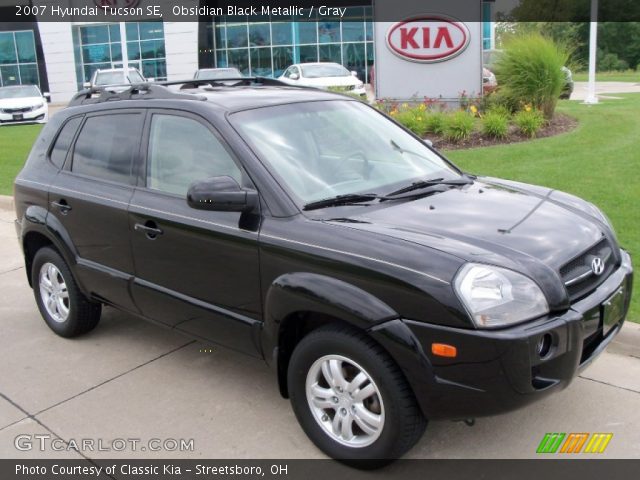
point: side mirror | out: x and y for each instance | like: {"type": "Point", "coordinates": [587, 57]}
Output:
{"type": "Point", "coordinates": [294, 76]}
{"type": "Point", "coordinates": [428, 143]}
{"type": "Point", "coordinates": [47, 96]}
{"type": "Point", "coordinates": [221, 194]}
{"type": "Point", "coordinates": [86, 85]}
{"type": "Point", "coordinates": [354, 73]}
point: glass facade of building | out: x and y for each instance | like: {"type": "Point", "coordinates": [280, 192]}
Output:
{"type": "Point", "coordinates": [266, 48]}
{"type": "Point", "coordinates": [18, 59]}
{"type": "Point", "coordinates": [100, 47]}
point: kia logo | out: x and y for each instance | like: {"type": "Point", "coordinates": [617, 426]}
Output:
{"type": "Point", "coordinates": [428, 38]}
{"type": "Point", "coordinates": [597, 266]}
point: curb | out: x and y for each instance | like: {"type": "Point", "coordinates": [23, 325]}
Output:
{"type": "Point", "coordinates": [6, 202]}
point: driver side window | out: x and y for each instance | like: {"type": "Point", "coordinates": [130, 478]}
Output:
{"type": "Point", "coordinates": [183, 150]}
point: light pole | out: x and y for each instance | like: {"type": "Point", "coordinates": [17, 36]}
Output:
{"type": "Point", "coordinates": [593, 45]}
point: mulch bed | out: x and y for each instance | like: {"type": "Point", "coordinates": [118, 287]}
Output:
{"type": "Point", "coordinates": [560, 123]}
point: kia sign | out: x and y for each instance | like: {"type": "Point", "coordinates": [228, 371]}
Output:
{"type": "Point", "coordinates": [428, 39]}
{"type": "Point", "coordinates": [427, 53]}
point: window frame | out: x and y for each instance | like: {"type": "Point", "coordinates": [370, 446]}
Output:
{"type": "Point", "coordinates": [68, 164]}
{"type": "Point", "coordinates": [72, 144]}
{"type": "Point", "coordinates": [144, 150]}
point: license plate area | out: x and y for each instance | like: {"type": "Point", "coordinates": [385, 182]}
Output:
{"type": "Point", "coordinates": [18, 117]}
{"type": "Point", "coordinates": [613, 310]}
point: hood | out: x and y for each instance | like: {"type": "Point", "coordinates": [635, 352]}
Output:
{"type": "Point", "coordinates": [487, 221]}
{"type": "Point", "coordinates": [22, 102]}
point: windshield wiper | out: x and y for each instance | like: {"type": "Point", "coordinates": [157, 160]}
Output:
{"type": "Point", "coordinates": [341, 200]}
{"type": "Point", "coordinates": [422, 184]}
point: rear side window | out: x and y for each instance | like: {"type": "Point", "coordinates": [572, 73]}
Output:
{"type": "Point", "coordinates": [107, 145]}
{"type": "Point", "coordinates": [63, 142]}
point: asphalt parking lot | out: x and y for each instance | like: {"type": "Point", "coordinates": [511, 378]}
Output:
{"type": "Point", "coordinates": [131, 379]}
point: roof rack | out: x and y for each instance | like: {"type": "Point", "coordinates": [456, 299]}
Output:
{"type": "Point", "coordinates": [159, 90]}
{"type": "Point", "coordinates": [142, 91]}
{"type": "Point", "coordinates": [227, 82]}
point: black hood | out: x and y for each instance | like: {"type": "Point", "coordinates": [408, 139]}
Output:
{"type": "Point", "coordinates": [532, 229]}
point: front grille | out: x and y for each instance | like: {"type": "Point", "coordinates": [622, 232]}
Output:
{"type": "Point", "coordinates": [578, 275]}
{"type": "Point", "coordinates": [17, 110]}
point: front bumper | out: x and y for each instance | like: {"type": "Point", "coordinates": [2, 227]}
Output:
{"type": "Point", "coordinates": [498, 371]}
{"type": "Point", "coordinates": [40, 115]}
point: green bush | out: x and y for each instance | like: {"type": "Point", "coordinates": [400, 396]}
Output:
{"type": "Point", "coordinates": [414, 119]}
{"type": "Point", "coordinates": [529, 71]}
{"type": "Point", "coordinates": [496, 124]}
{"type": "Point", "coordinates": [458, 126]}
{"type": "Point", "coordinates": [529, 122]}
{"type": "Point", "coordinates": [435, 122]}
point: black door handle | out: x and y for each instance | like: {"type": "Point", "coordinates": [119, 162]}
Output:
{"type": "Point", "coordinates": [62, 205]}
{"type": "Point", "coordinates": [150, 229]}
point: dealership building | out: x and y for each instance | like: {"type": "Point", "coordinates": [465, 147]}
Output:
{"type": "Point", "coordinates": [61, 56]}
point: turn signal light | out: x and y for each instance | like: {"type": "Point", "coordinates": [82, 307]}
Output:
{"type": "Point", "coordinates": [444, 350]}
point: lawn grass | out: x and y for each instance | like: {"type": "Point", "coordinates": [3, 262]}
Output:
{"type": "Point", "coordinates": [627, 76]}
{"type": "Point", "coordinates": [599, 161]}
{"type": "Point", "coordinates": [15, 145]}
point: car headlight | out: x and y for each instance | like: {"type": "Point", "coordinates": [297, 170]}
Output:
{"type": "Point", "coordinates": [37, 106]}
{"type": "Point", "coordinates": [359, 86]}
{"type": "Point", "coordinates": [497, 297]}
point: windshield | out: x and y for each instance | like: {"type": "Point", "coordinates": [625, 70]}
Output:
{"type": "Point", "coordinates": [326, 70]}
{"type": "Point", "coordinates": [218, 74]}
{"type": "Point", "coordinates": [109, 78]}
{"type": "Point", "coordinates": [20, 91]}
{"type": "Point", "coordinates": [135, 77]}
{"type": "Point", "coordinates": [323, 149]}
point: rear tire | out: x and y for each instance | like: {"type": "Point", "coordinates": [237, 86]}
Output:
{"type": "Point", "coordinates": [339, 375]}
{"type": "Point", "coordinates": [61, 303]}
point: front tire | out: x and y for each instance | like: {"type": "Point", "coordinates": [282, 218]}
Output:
{"type": "Point", "coordinates": [351, 399]}
{"type": "Point", "coordinates": [61, 303]}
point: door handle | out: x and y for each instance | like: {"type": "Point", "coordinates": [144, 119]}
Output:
{"type": "Point", "coordinates": [150, 229]}
{"type": "Point", "coordinates": [62, 205]}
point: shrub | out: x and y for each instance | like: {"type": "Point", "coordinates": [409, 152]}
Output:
{"type": "Point", "coordinates": [529, 71]}
{"type": "Point", "coordinates": [458, 126]}
{"type": "Point", "coordinates": [529, 122]}
{"type": "Point", "coordinates": [414, 119]}
{"type": "Point", "coordinates": [495, 124]}
{"type": "Point", "coordinates": [435, 122]}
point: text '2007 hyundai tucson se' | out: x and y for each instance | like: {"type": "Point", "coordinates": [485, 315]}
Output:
{"type": "Point", "coordinates": [384, 285]}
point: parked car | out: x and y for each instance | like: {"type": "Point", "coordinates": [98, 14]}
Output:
{"type": "Point", "coordinates": [217, 73]}
{"type": "Point", "coordinates": [489, 82]}
{"type": "Point", "coordinates": [23, 104]}
{"type": "Point", "coordinates": [325, 76]}
{"type": "Point", "coordinates": [384, 285]}
{"type": "Point", "coordinates": [115, 77]}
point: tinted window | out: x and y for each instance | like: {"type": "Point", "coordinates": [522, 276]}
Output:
{"type": "Point", "coordinates": [63, 142]}
{"type": "Point", "coordinates": [107, 145]}
{"type": "Point", "coordinates": [181, 151]}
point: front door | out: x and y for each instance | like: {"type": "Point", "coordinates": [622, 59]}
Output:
{"type": "Point", "coordinates": [196, 271]}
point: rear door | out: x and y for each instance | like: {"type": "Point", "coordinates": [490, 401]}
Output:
{"type": "Point", "coordinates": [196, 271]}
{"type": "Point", "coordinates": [89, 200]}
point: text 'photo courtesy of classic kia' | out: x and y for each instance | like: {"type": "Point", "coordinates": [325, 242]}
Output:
{"type": "Point", "coordinates": [383, 285]}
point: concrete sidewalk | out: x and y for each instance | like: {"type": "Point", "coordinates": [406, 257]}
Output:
{"type": "Point", "coordinates": [131, 379]}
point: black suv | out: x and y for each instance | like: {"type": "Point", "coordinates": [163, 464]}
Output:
{"type": "Point", "coordinates": [384, 285]}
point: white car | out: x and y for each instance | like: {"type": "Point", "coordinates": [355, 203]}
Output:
{"type": "Point", "coordinates": [23, 104]}
{"type": "Point", "coordinates": [325, 76]}
{"type": "Point", "coordinates": [115, 77]}
{"type": "Point", "coordinates": [217, 73]}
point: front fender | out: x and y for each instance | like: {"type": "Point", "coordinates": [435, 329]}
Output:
{"type": "Point", "coordinates": [309, 292]}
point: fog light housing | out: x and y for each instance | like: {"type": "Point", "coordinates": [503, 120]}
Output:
{"type": "Point", "coordinates": [544, 345]}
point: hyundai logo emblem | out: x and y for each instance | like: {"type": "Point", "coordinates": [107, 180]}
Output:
{"type": "Point", "coordinates": [597, 266]}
